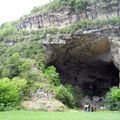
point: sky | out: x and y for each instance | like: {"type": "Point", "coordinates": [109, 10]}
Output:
{"type": "Point", "coordinates": [13, 9]}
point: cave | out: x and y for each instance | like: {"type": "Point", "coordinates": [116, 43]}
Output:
{"type": "Point", "coordinates": [86, 62]}
{"type": "Point", "coordinates": [94, 80]}
{"type": "Point", "coordinates": [94, 77]}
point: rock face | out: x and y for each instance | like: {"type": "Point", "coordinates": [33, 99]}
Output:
{"type": "Point", "coordinates": [88, 58]}
{"type": "Point", "coordinates": [96, 101]}
{"type": "Point", "coordinates": [65, 15]}
{"type": "Point", "coordinates": [41, 94]}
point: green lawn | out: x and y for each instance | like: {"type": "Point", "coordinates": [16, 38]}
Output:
{"type": "Point", "coordinates": [72, 115]}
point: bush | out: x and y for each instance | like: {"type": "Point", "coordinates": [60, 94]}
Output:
{"type": "Point", "coordinates": [52, 75]}
{"type": "Point", "coordinates": [113, 99]}
{"type": "Point", "coordinates": [65, 95]}
{"type": "Point", "coordinates": [15, 65]}
{"type": "Point", "coordinates": [78, 94]}
{"type": "Point", "coordinates": [10, 93]}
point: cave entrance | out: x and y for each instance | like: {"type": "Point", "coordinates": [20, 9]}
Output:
{"type": "Point", "coordinates": [85, 61]}
{"type": "Point", "coordinates": [93, 78]}
{"type": "Point", "coordinates": [102, 80]}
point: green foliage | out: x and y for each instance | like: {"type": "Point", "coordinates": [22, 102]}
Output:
{"type": "Point", "coordinates": [113, 99]}
{"type": "Point", "coordinates": [78, 95]}
{"type": "Point", "coordinates": [65, 95]}
{"type": "Point", "coordinates": [11, 92]}
{"type": "Point", "coordinates": [48, 7]}
{"type": "Point", "coordinates": [76, 5]}
{"type": "Point", "coordinates": [7, 28]}
{"type": "Point", "coordinates": [20, 83]}
{"type": "Point", "coordinates": [52, 75]}
{"type": "Point", "coordinates": [34, 75]}
{"type": "Point", "coordinates": [15, 66]}
{"type": "Point", "coordinates": [88, 24]}
{"type": "Point", "coordinates": [48, 88]}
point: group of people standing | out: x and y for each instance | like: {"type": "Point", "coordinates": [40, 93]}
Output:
{"type": "Point", "coordinates": [89, 107]}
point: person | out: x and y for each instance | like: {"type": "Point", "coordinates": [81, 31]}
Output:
{"type": "Point", "coordinates": [92, 108]}
{"type": "Point", "coordinates": [89, 107]}
{"type": "Point", "coordinates": [86, 107]}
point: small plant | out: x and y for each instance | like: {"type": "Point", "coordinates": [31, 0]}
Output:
{"type": "Point", "coordinates": [65, 95]}
{"type": "Point", "coordinates": [113, 99]}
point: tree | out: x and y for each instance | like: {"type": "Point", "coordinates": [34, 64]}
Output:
{"type": "Point", "coordinates": [52, 75]}
{"type": "Point", "coordinates": [15, 66]}
{"type": "Point", "coordinates": [82, 5]}
{"type": "Point", "coordinates": [7, 29]}
{"type": "Point", "coordinates": [11, 68]}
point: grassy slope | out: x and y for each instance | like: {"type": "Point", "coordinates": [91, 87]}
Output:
{"type": "Point", "coordinates": [72, 115]}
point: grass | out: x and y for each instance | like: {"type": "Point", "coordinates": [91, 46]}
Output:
{"type": "Point", "coordinates": [71, 115]}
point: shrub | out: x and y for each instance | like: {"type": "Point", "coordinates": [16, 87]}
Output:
{"type": "Point", "coordinates": [52, 75]}
{"type": "Point", "coordinates": [113, 99]}
{"type": "Point", "coordinates": [78, 94]}
{"type": "Point", "coordinates": [15, 66]}
{"type": "Point", "coordinates": [65, 95]}
{"type": "Point", "coordinates": [10, 93]}
{"type": "Point", "coordinates": [21, 84]}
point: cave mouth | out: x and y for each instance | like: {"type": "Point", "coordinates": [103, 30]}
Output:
{"type": "Point", "coordinates": [85, 61]}
{"type": "Point", "coordinates": [93, 78]}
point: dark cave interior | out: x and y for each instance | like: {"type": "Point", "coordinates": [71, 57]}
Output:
{"type": "Point", "coordinates": [86, 62]}
{"type": "Point", "coordinates": [94, 78]}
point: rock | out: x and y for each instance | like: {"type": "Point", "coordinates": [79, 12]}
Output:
{"type": "Point", "coordinates": [44, 105]}
{"type": "Point", "coordinates": [41, 94]}
{"type": "Point", "coordinates": [88, 58]}
{"type": "Point", "coordinates": [85, 100]}
{"type": "Point", "coordinates": [103, 108]}
{"type": "Point", "coordinates": [65, 16]}
{"type": "Point", "coordinates": [95, 100]}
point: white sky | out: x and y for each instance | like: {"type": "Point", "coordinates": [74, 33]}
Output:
{"type": "Point", "coordinates": [14, 9]}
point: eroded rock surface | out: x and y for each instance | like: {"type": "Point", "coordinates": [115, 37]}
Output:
{"type": "Point", "coordinates": [88, 58]}
{"type": "Point", "coordinates": [65, 15]}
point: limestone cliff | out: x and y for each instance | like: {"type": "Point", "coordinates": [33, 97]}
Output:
{"type": "Point", "coordinates": [65, 15]}
{"type": "Point", "coordinates": [90, 56]}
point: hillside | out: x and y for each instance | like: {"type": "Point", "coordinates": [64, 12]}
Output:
{"type": "Point", "coordinates": [66, 51]}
